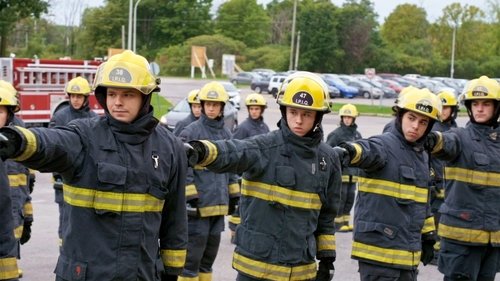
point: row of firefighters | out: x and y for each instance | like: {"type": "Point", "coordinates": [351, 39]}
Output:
{"type": "Point", "coordinates": [138, 202]}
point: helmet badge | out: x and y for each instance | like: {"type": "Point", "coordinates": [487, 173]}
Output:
{"type": "Point", "coordinates": [212, 95]}
{"type": "Point", "coordinates": [75, 88]}
{"type": "Point", "coordinates": [424, 106]}
{"type": "Point", "coordinates": [302, 98]}
{"type": "Point", "coordinates": [480, 91]}
{"type": "Point", "coordinates": [120, 75]}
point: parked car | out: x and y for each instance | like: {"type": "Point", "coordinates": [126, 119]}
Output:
{"type": "Point", "coordinates": [181, 110]}
{"type": "Point", "coordinates": [365, 89]}
{"type": "Point", "coordinates": [333, 91]}
{"type": "Point", "coordinates": [260, 85]}
{"type": "Point", "coordinates": [244, 78]}
{"type": "Point", "coordinates": [265, 72]}
{"type": "Point", "coordinates": [275, 84]}
{"type": "Point", "coordinates": [345, 90]}
{"type": "Point", "coordinates": [234, 94]}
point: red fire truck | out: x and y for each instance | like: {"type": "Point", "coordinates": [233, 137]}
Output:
{"type": "Point", "coordinates": [41, 82]}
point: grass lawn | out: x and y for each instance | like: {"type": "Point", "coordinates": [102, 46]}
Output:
{"type": "Point", "coordinates": [160, 104]}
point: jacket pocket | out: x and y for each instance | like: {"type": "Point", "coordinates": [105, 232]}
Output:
{"type": "Point", "coordinates": [256, 243]}
{"type": "Point", "coordinates": [481, 159]}
{"type": "Point", "coordinates": [285, 176]}
{"type": "Point", "coordinates": [386, 230]}
{"type": "Point", "coordinates": [407, 177]}
{"type": "Point", "coordinates": [111, 174]}
{"type": "Point", "coordinates": [70, 270]}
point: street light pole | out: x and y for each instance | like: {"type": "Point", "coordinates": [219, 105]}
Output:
{"type": "Point", "coordinates": [452, 67]}
{"type": "Point", "coordinates": [134, 38]}
{"type": "Point", "coordinates": [290, 67]}
{"type": "Point", "coordinates": [297, 49]}
{"type": "Point", "coordinates": [130, 11]}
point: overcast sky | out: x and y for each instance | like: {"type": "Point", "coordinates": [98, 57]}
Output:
{"type": "Point", "coordinates": [61, 9]}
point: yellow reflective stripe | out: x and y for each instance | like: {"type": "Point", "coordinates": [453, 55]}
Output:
{"type": "Point", "coordinates": [429, 225]}
{"type": "Point", "coordinates": [468, 235]}
{"type": "Point", "coordinates": [211, 153]}
{"type": "Point", "coordinates": [28, 209]}
{"type": "Point", "coordinates": [326, 243]}
{"type": "Point", "coordinates": [384, 255]}
{"type": "Point", "coordinates": [184, 278]}
{"type": "Point", "coordinates": [31, 145]}
{"type": "Point", "coordinates": [8, 268]}
{"type": "Point", "coordinates": [440, 194]}
{"type": "Point", "coordinates": [393, 189]}
{"type": "Point", "coordinates": [111, 201]}
{"type": "Point", "coordinates": [359, 151]}
{"type": "Point", "coordinates": [345, 178]}
{"type": "Point", "coordinates": [472, 176]}
{"type": "Point", "coordinates": [199, 168]}
{"type": "Point", "coordinates": [173, 258]}
{"type": "Point", "coordinates": [18, 232]}
{"type": "Point", "coordinates": [234, 188]}
{"type": "Point", "coordinates": [210, 211]}
{"type": "Point", "coordinates": [339, 219]}
{"type": "Point", "coordinates": [234, 220]}
{"type": "Point", "coordinates": [267, 271]}
{"type": "Point", "coordinates": [18, 180]}
{"type": "Point", "coordinates": [191, 190]}
{"type": "Point", "coordinates": [285, 196]}
{"type": "Point", "coordinates": [439, 143]}
{"type": "Point", "coordinates": [205, 276]}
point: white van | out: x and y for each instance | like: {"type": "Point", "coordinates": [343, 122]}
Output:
{"type": "Point", "coordinates": [275, 84]}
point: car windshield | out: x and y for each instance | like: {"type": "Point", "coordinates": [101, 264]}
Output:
{"type": "Point", "coordinates": [182, 106]}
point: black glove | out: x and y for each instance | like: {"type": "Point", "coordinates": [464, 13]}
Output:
{"type": "Point", "coordinates": [428, 241]}
{"type": "Point", "coordinates": [195, 151]}
{"type": "Point", "coordinates": [233, 204]}
{"type": "Point", "coordinates": [25, 237]}
{"type": "Point", "coordinates": [10, 143]}
{"type": "Point", "coordinates": [326, 270]}
{"type": "Point", "coordinates": [31, 182]}
{"type": "Point", "coordinates": [345, 152]}
{"type": "Point", "coordinates": [431, 141]}
{"type": "Point", "coordinates": [168, 277]}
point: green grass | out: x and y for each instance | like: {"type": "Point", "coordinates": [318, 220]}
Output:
{"type": "Point", "coordinates": [160, 104]}
{"type": "Point", "coordinates": [365, 109]}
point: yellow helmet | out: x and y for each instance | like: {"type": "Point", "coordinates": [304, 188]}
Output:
{"type": "Point", "coordinates": [447, 98]}
{"type": "Point", "coordinates": [78, 86]}
{"type": "Point", "coordinates": [255, 99]}
{"type": "Point", "coordinates": [8, 86]}
{"type": "Point", "coordinates": [421, 101]}
{"type": "Point", "coordinates": [482, 88]}
{"type": "Point", "coordinates": [8, 99]}
{"type": "Point", "coordinates": [348, 110]}
{"type": "Point", "coordinates": [213, 91]}
{"type": "Point", "coordinates": [126, 70]}
{"type": "Point", "coordinates": [193, 97]}
{"type": "Point", "coordinates": [304, 90]}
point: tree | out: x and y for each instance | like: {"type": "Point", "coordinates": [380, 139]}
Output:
{"type": "Point", "coordinates": [13, 10]}
{"type": "Point", "coordinates": [405, 24]}
{"type": "Point", "coordinates": [319, 41]}
{"type": "Point", "coordinates": [244, 20]}
{"type": "Point", "coordinates": [357, 22]}
{"type": "Point", "coordinates": [280, 13]}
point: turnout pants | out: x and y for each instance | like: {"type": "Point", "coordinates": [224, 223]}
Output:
{"type": "Point", "coordinates": [372, 272]}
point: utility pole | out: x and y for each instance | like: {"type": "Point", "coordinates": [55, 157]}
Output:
{"type": "Point", "coordinates": [130, 12]}
{"type": "Point", "coordinates": [290, 67]}
{"type": "Point", "coordinates": [297, 50]}
{"type": "Point", "coordinates": [134, 38]}
{"type": "Point", "coordinates": [452, 67]}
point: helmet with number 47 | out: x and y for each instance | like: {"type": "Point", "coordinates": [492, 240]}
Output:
{"type": "Point", "coordinates": [304, 90]}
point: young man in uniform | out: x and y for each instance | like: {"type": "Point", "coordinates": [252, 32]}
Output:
{"type": "Point", "coordinates": [123, 178]}
{"type": "Point", "coordinates": [195, 112]}
{"type": "Point", "coordinates": [345, 133]}
{"type": "Point", "coordinates": [394, 228]}
{"type": "Point", "coordinates": [209, 196]}
{"type": "Point", "coordinates": [78, 90]}
{"type": "Point", "coordinates": [290, 189]}
{"type": "Point", "coordinates": [469, 226]}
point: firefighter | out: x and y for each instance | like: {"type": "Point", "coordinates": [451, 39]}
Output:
{"type": "Point", "coordinates": [290, 188]}
{"type": "Point", "coordinates": [469, 226]}
{"type": "Point", "coordinates": [252, 126]}
{"type": "Point", "coordinates": [78, 90]}
{"type": "Point", "coordinates": [346, 132]}
{"type": "Point", "coordinates": [447, 122]}
{"type": "Point", "coordinates": [209, 196]}
{"type": "Point", "coordinates": [22, 210]}
{"type": "Point", "coordinates": [8, 261]}
{"type": "Point", "coordinates": [123, 177]}
{"type": "Point", "coordinates": [394, 228]}
{"type": "Point", "coordinates": [195, 112]}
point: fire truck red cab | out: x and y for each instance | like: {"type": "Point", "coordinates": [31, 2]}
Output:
{"type": "Point", "coordinates": [41, 82]}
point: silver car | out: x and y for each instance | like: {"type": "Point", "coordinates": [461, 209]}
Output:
{"type": "Point", "coordinates": [181, 110]}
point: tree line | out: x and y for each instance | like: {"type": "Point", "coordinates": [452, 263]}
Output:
{"type": "Point", "coordinates": [333, 39]}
